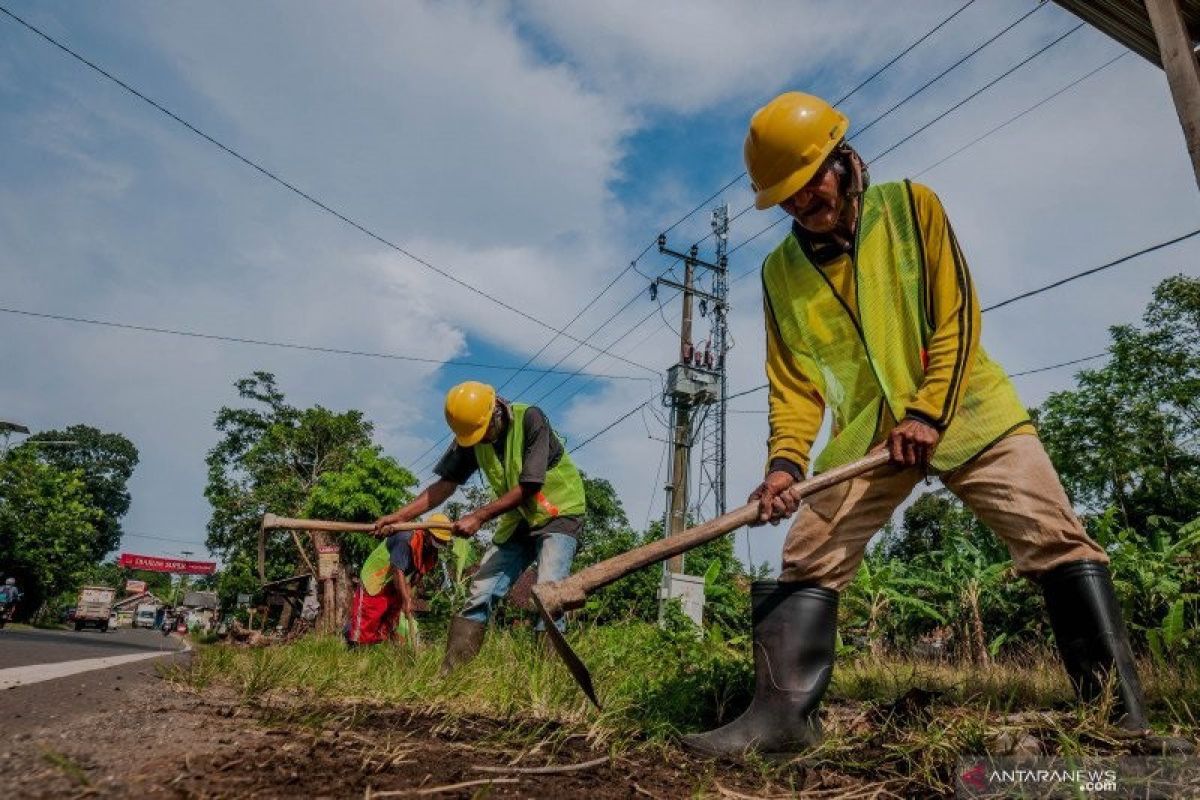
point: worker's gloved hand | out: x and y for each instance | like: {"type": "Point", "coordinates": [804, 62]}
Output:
{"type": "Point", "coordinates": [381, 525]}
{"type": "Point", "coordinates": [912, 442]}
{"type": "Point", "coordinates": [773, 503]}
{"type": "Point", "coordinates": [467, 526]}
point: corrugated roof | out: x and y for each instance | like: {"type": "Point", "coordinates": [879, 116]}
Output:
{"type": "Point", "coordinates": [1128, 23]}
{"type": "Point", "coordinates": [201, 600]}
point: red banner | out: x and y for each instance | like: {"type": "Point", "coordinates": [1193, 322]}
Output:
{"type": "Point", "coordinates": [176, 565]}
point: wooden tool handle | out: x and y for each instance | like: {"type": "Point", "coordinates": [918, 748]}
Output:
{"type": "Point", "coordinates": [271, 521]}
{"type": "Point", "coordinates": [572, 592]}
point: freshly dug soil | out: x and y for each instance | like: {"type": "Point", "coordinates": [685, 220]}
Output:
{"type": "Point", "coordinates": [172, 743]}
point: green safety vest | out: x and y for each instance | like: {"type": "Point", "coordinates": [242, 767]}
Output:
{"type": "Point", "coordinates": [561, 494]}
{"type": "Point", "coordinates": [875, 362]}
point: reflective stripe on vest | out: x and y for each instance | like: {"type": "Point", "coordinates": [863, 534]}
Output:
{"type": "Point", "coordinates": [561, 493]}
{"type": "Point", "coordinates": [863, 365]}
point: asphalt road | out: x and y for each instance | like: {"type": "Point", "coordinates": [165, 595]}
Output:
{"type": "Point", "coordinates": [54, 703]}
{"type": "Point", "coordinates": [21, 647]}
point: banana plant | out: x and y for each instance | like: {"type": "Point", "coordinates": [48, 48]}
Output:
{"type": "Point", "coordinates": [881, 586]}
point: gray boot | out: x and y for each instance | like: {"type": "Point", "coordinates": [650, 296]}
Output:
{"type": "Point", "coordinates": [463, 643]}
{"type": "Point", "coordinates": [795, 634]}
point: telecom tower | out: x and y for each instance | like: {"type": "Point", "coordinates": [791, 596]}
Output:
{"type": "Point", "coordinates": [695, 394]}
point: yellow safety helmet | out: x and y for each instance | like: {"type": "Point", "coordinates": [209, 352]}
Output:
{"type": "Point", "coordinates": [790, 137]}
{"type": "Point", "coordinates": [440, 534]}
{"type": "Point", "coordinates": [469, 409]}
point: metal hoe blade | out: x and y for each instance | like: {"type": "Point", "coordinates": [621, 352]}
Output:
{"type": "Point", "coordinates": [573, 662]}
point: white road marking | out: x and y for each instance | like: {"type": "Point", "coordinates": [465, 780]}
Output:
{"type": "Point", "coordinates": [36, 673]}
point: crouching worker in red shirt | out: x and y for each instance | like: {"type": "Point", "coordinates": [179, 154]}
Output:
{"type": "Point", "coordinates": [386, 590]}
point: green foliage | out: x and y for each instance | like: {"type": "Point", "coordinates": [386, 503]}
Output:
{"type": "Point", "coordinates": [1126, 436]}
{"type": "Point", "coordinates": [368, 486]}
{"type": "Point", "coordinates": [48, 525]}
{"type": "Point", "coordinates": [105, 462]}
{"type": "Point", "coordinates": [269, 458]}
{"type": "Point", "coordinates": [1157, 578]}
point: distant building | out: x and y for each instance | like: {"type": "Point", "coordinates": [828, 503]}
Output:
{"type": "Point", "coordinates": [127, 608]}
{"type": "Point", "coordinates": [202, 609]}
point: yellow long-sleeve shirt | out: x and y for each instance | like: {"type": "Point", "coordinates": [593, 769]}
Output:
{"type": "Point", "coordinates": [796, 407]}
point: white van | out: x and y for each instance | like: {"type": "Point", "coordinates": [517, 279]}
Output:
{"type": "Point", "coordinates": [144, 618]}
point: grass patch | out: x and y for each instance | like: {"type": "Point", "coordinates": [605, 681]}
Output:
{"type": "Point", "coordinates": [67, 765]}
{"type": "Point", "coordinates": [895, 722]}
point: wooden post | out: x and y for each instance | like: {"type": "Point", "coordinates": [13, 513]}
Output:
{"type": "Point", "coordinates": [1183, 71]}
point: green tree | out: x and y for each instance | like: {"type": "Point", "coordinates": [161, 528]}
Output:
{"type": "Point", "coordinates": [106, 462]}
{"type": "Point", "coordinates": [368, 486]}
{"type": "Point", "coordinates": [47, 526]}
{"type": "Point", "coordinates": [1126, 436]}
{"type": "Point", "coordinates": [270, 457]}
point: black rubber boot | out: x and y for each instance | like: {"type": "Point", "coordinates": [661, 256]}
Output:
{"type": "Point", "coordinates": [463, 643]}
{"type": "Point", "coordinates": [795, 634]}
{"type": "Point", "coordinates": [1091, 638]}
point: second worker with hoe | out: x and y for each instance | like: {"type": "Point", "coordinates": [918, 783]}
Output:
{"type": "Point", "coordinates": [539, 502]}
{"type": "Point", "coordinates": [871, 313]}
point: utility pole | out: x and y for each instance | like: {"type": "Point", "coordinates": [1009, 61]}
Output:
{"type": "Point", "coordinates": [694, 382]}
{"type": "Point", "coordinates": [1183, 70]}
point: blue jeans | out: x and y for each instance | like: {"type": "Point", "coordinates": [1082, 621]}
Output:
{"type": "Point", "coordinates": [503, 564]}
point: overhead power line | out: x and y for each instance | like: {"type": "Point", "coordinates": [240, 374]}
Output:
{"type": "Point", "coordinates": [286, 345]}
{"type": "Point", "coordinates": [291, 187]}
{"type": "Point", "coordinates": [628, 414]}
{"type": "Point", "coordinates": [978, 91]}
{"type": "Point", "coordinates": [1021, 114]}
{"type": "Point", "coordinates": [978, 48]}
{"type": "Point", "coordinates": [1093, 270]}
{"type": "Point", "coordinates": [903, 53]}
{"type": "Point", "coordinates": [1057, 366]}
{"type": "Point", "coordinates": [128, 535]}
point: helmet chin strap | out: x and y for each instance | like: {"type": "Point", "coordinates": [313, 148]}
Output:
{"type": "Point", "coordinates": [854, 180]}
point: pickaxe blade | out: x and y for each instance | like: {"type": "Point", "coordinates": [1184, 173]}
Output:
{"type": "Point", "coordinates": [574, 663]}
{"type": "Point", "coordinates": [572, 592]}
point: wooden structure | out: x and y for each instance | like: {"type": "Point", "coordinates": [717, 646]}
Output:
{"type": "Point", "coordinates": [1164, 32]}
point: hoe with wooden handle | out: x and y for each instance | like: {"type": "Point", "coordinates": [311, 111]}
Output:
{"type": "Point", "coordinates": [554, 598]}
{"type": "Point", "coordinates": [273, 522]}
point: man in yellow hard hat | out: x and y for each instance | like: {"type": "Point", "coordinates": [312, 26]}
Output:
{"type": "Point", "coordinates": [871, 314]}
{"type": "Point", "coordinates": [539, 502]}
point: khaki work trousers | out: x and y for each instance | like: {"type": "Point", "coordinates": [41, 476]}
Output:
{"type": "Point", "coordinates": [1012, 488]}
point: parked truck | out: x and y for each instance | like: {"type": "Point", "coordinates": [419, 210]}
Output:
{"type": "Point", "coordinates": [94, 607]}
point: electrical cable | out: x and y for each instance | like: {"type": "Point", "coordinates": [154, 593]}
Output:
{"type": "Point", "coordinates": [1057, 366]}
{"type": "Point", "coordinates": [903, 53]}
{"type": "Point", "coordinates": [292, 187]}
{"type": "Point", "coordinates": [948, 70]}
{"type": "Point", "coordinates": [284, 345]}
{"type": "Point", "coordinates": [978, 91]}
{"type": "Point", "coordinates": [1092, 271]}
{"type": "Point", "coordinates": [654, 487]}
{"type": "Point", "coordinates": [1017, 116]}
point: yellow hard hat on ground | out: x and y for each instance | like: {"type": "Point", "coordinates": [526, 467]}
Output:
{"type": "Point", "coordinates": [469, 409]}
{"type": "Point", "coordinates": [439, 534]}
{"type": "Point", "coordinates": [790, 137]}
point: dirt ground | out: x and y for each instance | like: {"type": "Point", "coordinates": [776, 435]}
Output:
{"type": "Point", "coordinates": [173, 743]}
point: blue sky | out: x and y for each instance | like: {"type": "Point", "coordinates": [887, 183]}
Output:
{"type": "Point", "coordinates": [532, 150]}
